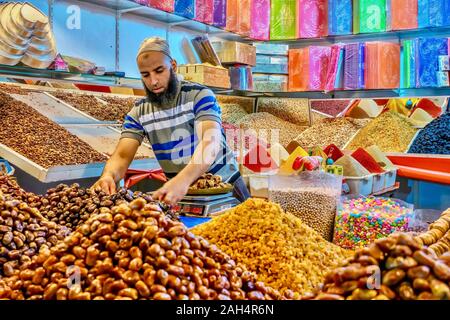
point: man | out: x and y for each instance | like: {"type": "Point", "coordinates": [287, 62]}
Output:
{"type": "Point", "coordinates": [182, 121]}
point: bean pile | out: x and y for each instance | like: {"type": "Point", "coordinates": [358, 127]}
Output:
{"type": "Point", "coordinates": [22, 232]}
{"type": "Point", "coordinates": [332, 107]}
{"type": "Point", "coordinates": [316, 208]}
{"type": "Point", "coordinates": [393, 268]}
{"type": "Point", "coordinates": [391, 132]}
{"type": "Point", "coordinates": [245, 103]}
{"type": "Point", "coordinates": [270, 128]}
{"type": "Point", "coordinates": [34, 136]}
{"type": "Point", "coordinates": [434, 138]}
{"type": "Point", "coordinates": [13, 89]}
{"type": "Point", "coordinates": [133, 252]}
{"type": "Point", "coordinates": [438, 235]}
{"type": "Point", "coordinates": [337, 131]}
{"type": "Point", "coordinates": [114, 110]}
{"type": "Point", "coordinates": [290, 110]}
{"type": "Point", "coordinates": [232, 113]}
{"type": "Point", "coordinates": [282, 251]}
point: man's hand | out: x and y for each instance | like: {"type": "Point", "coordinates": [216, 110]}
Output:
{"type": "Point", "coordinates": [172, 191]}
{"type": "Point", "coordinates": [107, 184]}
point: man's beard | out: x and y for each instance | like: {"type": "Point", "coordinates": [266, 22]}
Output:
{"type": "Point", "coordinates": [167, 96]}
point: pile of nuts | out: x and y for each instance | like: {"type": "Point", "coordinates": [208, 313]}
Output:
{"type": "Point", "coordinates": [209, 181]}
{"type": "Point", "coordinates": [13, 89]}
{"type": "Point", "coordinates": [121, 106]}
{"type": "Point", "coordinates": [283, 251]}
{"type": "Point", "coordinates": [90, 104]}
{"type": "Point", "coordinates": [22, 232]}
{"type": "Point", "coordinates": [396, 267]}
{"type": "Point", "coordinates": [132, 252]}
{"type": "Point", "coordinates": [36, 137]}
{"type": "Point", "coordinates": [314, 207]}
{"type": "Point", "coordinates": [438, 235]}
{"type": "Point", "coordinates": [232, 113]}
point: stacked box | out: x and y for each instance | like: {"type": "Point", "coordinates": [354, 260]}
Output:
{"type": "Point", "coordinates": [382, 65]}
{"type": "Point", "coordinates": [312, 18]}
{"type": "Point", "coordinates": [185, 8]}
{"type": "Point", "coordinates": [429, 50]}
{"type": "Point", "coordinates": [205, 74]}
{"type": "Point", "coordinates": [402, 14]}
{"type": "Point", "coordinates": [354, 66]}
{"type": "Point", "coordinates": [283, 19]}
{"type": "Point", "coordinates": [231, 52]}
{"type": "Point", "coordinates": [433, 13]}
{"type": "Point", "coordinates": [260, 19]}
{"type": "Point", "coordinates": [340, 17]}
{"type": "Point", "coordinates": [369, 16]}
{"type": "Point", "coordinates": [165, 5]}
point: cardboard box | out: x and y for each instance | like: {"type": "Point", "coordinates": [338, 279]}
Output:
{"type": "Point", "coordinates": [231, 52]}
{"type": "Point", "coordinates": [207, 75]}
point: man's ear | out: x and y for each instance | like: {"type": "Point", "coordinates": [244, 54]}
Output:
{"type": "Point", "coordinates": [174, 65]}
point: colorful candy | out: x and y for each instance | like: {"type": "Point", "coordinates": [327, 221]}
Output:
{"type": "Point", "coordinates": [361, 221]}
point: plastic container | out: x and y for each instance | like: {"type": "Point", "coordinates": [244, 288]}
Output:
{"type": "Point", "coordinates": [259, 185]}
{"type": "Point", "coordinates": [378, 182]}
{"type": "Point", "coordinates": [390, 178]}
{"type": "Point", "coordinates": [312, 196]}
{"type": "Point", "coordinates": [360, 185]}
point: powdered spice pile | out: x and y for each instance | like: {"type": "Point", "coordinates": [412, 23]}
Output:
{"type": "Point", "coordinates": [277, 246]}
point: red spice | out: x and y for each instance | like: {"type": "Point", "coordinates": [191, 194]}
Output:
{"type": "Point", "coordinates": [429, 106]}
{"type": "Point", "coordinates": [367, 161]}
{"type": "Point", "coordinates": [333, 152]}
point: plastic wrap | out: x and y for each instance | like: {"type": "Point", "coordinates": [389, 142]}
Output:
{"type": "Point", "coordinates": [204, 11]}
{"type": "Point", "coordinates": [260, 19]}
{"type": "Point", "coordinates": [351, 64]}
{"type": "Point", "coordinates": [403, 14]}
{"type": "Point", "coordinates": [220, 13]}
{"type": "Point", "coordinates": [433, 13]}
{"type": "Point", "coordinates": [232, 16]}
{"type": "Point", "coordinates": [312, 18]}
{"type": "Point", "coordinates": [318, 67]}
{"type": "Point", "coordinates": [382, 65]}
{"type": "Point", "coordinates": [369, 16]}
{"type": "Point", "coordinates": [241, 78]}
{"type": "Point", "coordinates": [165, 5]}
{"type": "Point", "coordinates": [429, 49]}
{"type": "Point", "coordinates": [283, 19]}
{"type": "Point", "coordinates": [311, 196]}
{"type": "Point", "coordinates": [340, 17]}
{"type": "Point", "coordinates": [185, 8]}
{"type": "Point", "coordinates": [333, 76]}
{"type": "Point", "coordinates": [244, 23]}
{"type": "Point", "coordinates": [298, 69]}
{"type": "Point", "coordinates": [360, 220]}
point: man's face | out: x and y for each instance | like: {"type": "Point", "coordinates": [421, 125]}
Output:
{"type": "Point", "coordinates": [155, 68]}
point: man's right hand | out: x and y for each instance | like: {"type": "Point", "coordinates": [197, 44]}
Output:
{"type": "Point", "coordinates": [107, 184]}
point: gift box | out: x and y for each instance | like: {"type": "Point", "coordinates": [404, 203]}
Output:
{"type": "Point", "coordinates": [283, 19]}
{"type": "Point", "coordinates": [185, 8]}
{"type": "Point", "coordinates": [334, 78]}
{"type": "Point", "coordinates": [319, 59]}
{"type": "Point", "coordinates": [444, 63]}
{"type": "Point", "coordinates": [244, 17]}
{"type": "Point", "coordinates": [369, 16]}
{"type": "Point", "coordinates": [220, 13]}
{"type": "Point", "coordinates": [270, 83]}
{"type": "Point", "coordinates": [312, 18]}
{"type": "Point", "coordinates": [352, 65]}
{"type": "Point", "coordinates": [260, 20]}
{"type": "Point", "coordinates": [298, 69]}
{"type": "Point", "coordinates": [205, 74]}
{"type": "Point", "coordinates": [232, 16]}
{"type": "Point", "coordinates": [382, 65]}
{"type": "Point", "coordinates": [231, 52]}
{"type": "Point", "coordinates": [429, 50]}
{"type": "Point", "coordinates": [340, 17]}
{"type": "Point", "coordinates": [204, 11]}
{"type": "Point", "coordinates": [241, 78]}
{"type": "Point", "coordinates": [433, 13]}
{"type": "Point", "coordinates": [402, 14]}
{"type": "Point", "coordinates": [165, 5]}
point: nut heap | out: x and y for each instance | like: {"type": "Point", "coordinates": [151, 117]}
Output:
{"type": "Point", "coordinates": [438, 234]}
{"type": "Point", "coordinates": [209, 181]}
{"type": "Point", "coordinates": [22, 232]}
{"type": "Point", "coordinates": [36, 137]}
{"type": "Point", "coordinates": [282, 251]}
{"type": "Point", "coordinates": [13, 89]}
{"type": "Point", "coordinates": [132, 252]}
{"type": "Point", "coordinates": [396, 267]}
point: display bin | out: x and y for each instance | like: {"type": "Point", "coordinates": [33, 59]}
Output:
{"type": "Point", "coordinates": [360, 185]}
{"type": "Point", "coordinates": [390, 178]}
{"type": "Point", "coordinates": [217, 77]}
{"type": "Point", "coordinates": [378, 182]}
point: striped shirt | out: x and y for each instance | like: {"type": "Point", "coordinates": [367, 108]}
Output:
{"type": "Point", "coordinates": [171, 129]}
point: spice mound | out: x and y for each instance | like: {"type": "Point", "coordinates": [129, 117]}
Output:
{"type": "Point", "coordinates": [132, 252]}
{"type": "Point", "coordinates": [391, 131]}
{"type": "Point", "coordinates": [277, 246]}
{"type": "Point", "coordinates": [393, 268]}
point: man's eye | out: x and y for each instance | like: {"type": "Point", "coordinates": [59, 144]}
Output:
{"type": "Point", "coordinates": [159, 71]}
{"type": "Point", "coordinates": [145, 75]}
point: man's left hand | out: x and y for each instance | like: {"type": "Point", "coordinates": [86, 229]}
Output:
{"type": "Point", "coordinates": [172, 191]}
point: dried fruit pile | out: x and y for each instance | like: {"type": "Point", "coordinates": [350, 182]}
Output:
{"type": "Point", "coordinates": [34, 136]}
{"type": "Point", "coordinates": [282, 251]}
{"type": "Point", "coordinates": [438, 235]}
{"type": "Point", "coordinates": [396, 267]}
{"type": "Point", "coordinates": [132, 252]}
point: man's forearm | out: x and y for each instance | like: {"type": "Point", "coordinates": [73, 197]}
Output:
{"type": "Point", "coordinates": [115, 168]}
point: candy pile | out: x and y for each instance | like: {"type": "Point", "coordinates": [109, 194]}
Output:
{"type": "Point", "coordinates": [361, 221]}
{"type": "Point", "coordinates": [393, 268]}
